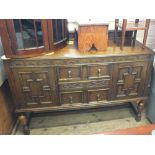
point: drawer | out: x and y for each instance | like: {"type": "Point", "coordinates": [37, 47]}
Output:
{"type": "Point", "coordinates": [69, 73]}
{"type": "Point", "coordinates": [99, 71]}
{"type": "Point", "coordinates": [98, 95]}
{"type": "Point", "coordinates": [102, 83]}
{"type": "Point", "coordinates": [70, 85]}
{"type": "Point", "coordinates": [71, 97]}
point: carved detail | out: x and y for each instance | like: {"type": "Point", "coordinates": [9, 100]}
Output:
{"type": "Point", "coordinates": [129, 80]}
{"type": "Point", "coordinates": [99, 83]}
{"type": "Point", "coordinates": [66, 86]}
{"type": "Point", "coordinates": [36, 87]}
{"type": "Point", "coordinates": [53, 62]}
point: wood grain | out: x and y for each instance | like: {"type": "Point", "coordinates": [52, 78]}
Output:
{"type": "Point", "coordinates": [96, 35]}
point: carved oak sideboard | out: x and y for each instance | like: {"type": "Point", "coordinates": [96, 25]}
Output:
{"type": "Point", "coordinates": [68, 80]}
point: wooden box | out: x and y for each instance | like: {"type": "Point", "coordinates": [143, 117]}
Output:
{"type": "Point", "coordinates": [92, 37]}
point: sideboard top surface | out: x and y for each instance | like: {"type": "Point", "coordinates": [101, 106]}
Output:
{"type": "Point", "coordinates": [70, 51]}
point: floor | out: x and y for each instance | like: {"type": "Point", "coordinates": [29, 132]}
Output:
{"type": "Point", "coordinates": [91, 121]}
{"type": "Point", "coordinates": [84, 122]}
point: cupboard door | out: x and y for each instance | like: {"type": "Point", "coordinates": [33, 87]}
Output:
{"type": "Point", "coordinates": [36, 86]}
{"type": "Point", "coordinates": [130, 79]}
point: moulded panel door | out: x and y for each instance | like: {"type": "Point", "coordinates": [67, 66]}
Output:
{"type": "Point", "coordinates": [36, 86]}
{"type": "Point", "coordinates": [129, 80]}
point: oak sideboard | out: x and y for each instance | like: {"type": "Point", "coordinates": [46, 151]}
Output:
{"type": "Point", "coordinates": [67, 80]}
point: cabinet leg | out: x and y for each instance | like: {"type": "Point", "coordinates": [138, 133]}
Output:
{"type": "Point", "coordinates": [140, 108]}
{"type": "Point", "coordinates": [24, 122]}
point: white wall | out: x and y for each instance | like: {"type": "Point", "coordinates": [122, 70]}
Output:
{"type": "Point", "coordinates": [2, 72]}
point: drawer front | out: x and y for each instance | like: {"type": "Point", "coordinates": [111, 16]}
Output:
{"type": "Point", "coordinates": [70, 85]}
{"type": "Point", "coordinates": [69, 73]}
{"type": "Point", "coordinates": [71, 97]}
{"type": "Point", "coordinates": [98, 95]}
{"type": "Point", "coordinates": [99, 71]}
{"type": "Point", "coordinates": [103, 83]}
{"type": "Point", "coordinates": [88, 84]}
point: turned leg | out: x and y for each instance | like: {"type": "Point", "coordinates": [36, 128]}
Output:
{"type": "Point", "coordinates": [140, 108]}
{"type": "Point", "coordinates": [24, 122]}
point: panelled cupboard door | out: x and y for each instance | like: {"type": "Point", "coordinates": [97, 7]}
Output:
{"type": "Point", "coordinates": [36, 86]}
{"type": "Point", "coordinates": [130, 79]}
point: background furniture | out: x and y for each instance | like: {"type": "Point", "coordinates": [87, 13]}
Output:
{"type": "Point", "coordinates": [92, 37]}
{"type": "Point", "coordinates": [31, 37]}
{"type": "Point", "coordinates": [132, 27]}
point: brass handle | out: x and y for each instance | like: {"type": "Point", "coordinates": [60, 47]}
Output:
{"type": "Point", "coordinates": [69, 74]}
{"type": "Point", "coordinates": [98, 97]}
{"type": "Point", "coordinates": [71, 99]}
{"type": "Point", "coordinates": [99, 72]}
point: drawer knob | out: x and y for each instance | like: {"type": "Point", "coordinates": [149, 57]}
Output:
{"type": "Point", "coordinates": [98, 97]}
{"type": "Point", "coordinates": [99, 72]}
{"type": "Point", "coordinates": [71, 99]}
{"type": "Point", "coordinates": [69, 74]}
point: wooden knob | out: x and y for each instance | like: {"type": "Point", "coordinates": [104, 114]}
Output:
{"type": "Point", "coordinates": [69, 74]}
{"type": "Point", "coordinates": [71, 99]}
{"type": "Point", "coordinates": [99, 72]}
{"type": "Point", "coordinates": [98, 97]}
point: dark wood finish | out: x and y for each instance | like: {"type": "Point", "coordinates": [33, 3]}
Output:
{"type": "Point", "coordinates": [69, 79]}
{"type": "Point", "coordinates": [141, 130]}
{"type": "Point", "coordinates": [7, 115]}
{"type": "Point", "coordinates": [92, 37]}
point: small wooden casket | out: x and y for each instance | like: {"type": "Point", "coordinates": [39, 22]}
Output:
{"type": "Point", "coordinates": [92, 37]}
